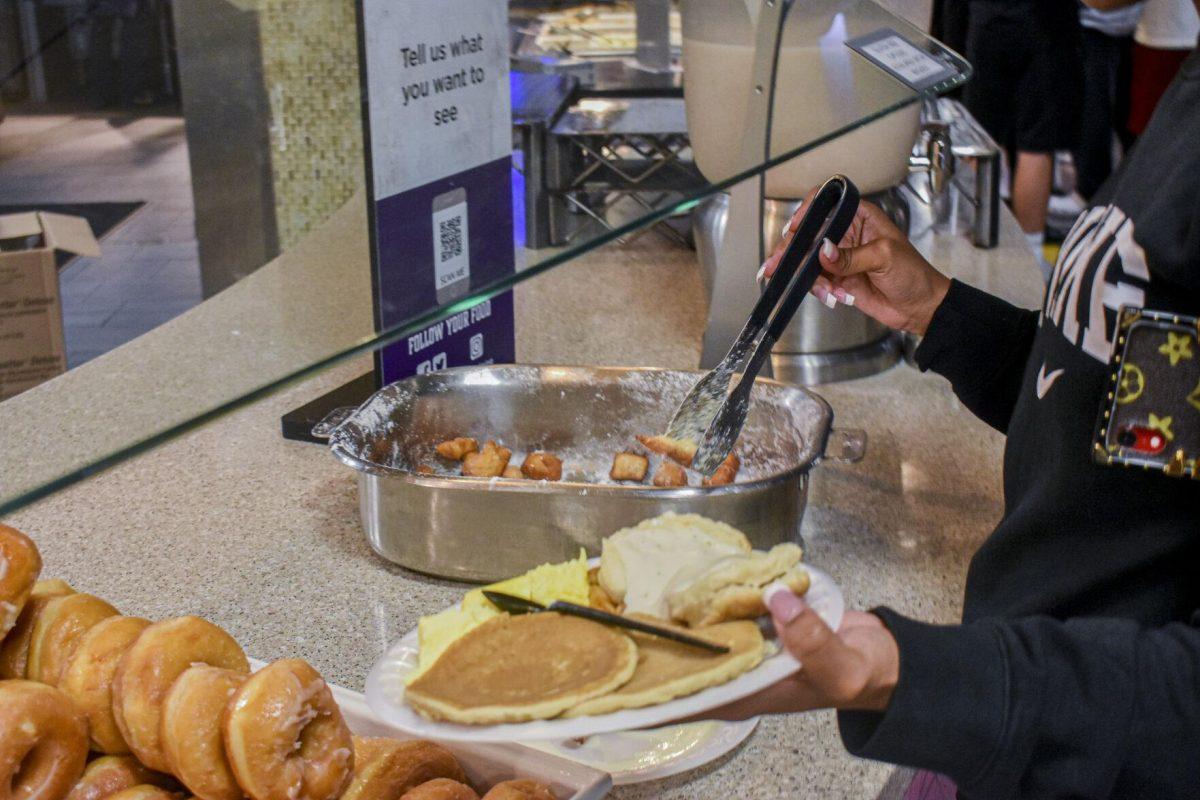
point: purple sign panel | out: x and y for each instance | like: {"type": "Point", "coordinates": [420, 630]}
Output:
{"type": "Point", "coordinates": [435, 244]}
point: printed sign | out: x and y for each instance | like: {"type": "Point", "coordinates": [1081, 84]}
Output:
{"type": "Point", "coordinates": [913, 66]}
{"type": "Point", "coordinates": [438, 130]}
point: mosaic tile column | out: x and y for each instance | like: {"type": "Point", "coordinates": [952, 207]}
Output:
{"type": "Point", "coordinates": [310, 71]}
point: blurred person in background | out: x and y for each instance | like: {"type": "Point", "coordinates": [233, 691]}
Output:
{"type": "Point", "coordinates": [124, 51]}
{"type": "Point", "coordinates": [1027, 93]}
{"type": "Point", "coordinates": [1165, 35]}
{"type": "Point", "coordinates": [1106, 40]}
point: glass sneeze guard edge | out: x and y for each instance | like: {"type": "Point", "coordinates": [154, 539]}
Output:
{"type": "Point", "coordinates": [26, 496]}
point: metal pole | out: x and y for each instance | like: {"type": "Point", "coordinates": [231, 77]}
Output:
{"type": "Point", "coordinates": [653, 34]}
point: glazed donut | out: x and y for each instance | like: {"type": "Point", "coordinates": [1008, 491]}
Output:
{"type": "Point", "coordinates": [285, 736]}
{"type": "Point", "coordinates": [88, 678]}
{"type": "Point", "coordinates": [519, 790]}
{"type": "Point", "coordinates": [151, 664]}
{"type": "Point", "coordinates": [192, 713]}
{"type": "Point", "coordinates": [366, 748]}
{"type": "Point", "coordinates": [144, 791]}
{"type": "Point", "coordinates": [384, 769]}
{"type": "Point", "coordinates": [43, 742]}
{"type": "Point", "coordinates": [108, 775]}
{"type": "Point", "coordinates": [441, 789]}
{"type": "Point", "coordinates": [20, 565]}
{"type": "Point", "coordinates": [14, 650]}
{"type": "Point", "coordinates": [57, 631]}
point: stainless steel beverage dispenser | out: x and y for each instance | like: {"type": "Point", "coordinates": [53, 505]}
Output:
{"type": "Point", "coordinates": [745, 73]}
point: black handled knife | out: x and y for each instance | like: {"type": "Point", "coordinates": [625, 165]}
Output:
{"type": "Point", "coordinates": [519, 605]}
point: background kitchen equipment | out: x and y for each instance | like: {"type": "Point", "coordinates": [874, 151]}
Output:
{"type": "Point", "coordinates": [485, 530]}
{"type": "Point", "coordinates": [790, 75]}
{"type": "Point", "coordinates": [960, 161]}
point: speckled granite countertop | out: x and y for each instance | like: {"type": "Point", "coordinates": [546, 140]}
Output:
{"type": "Point", "coordinates": [262, 535]}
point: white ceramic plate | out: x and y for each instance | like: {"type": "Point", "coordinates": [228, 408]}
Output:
{"type": "Point", "coordinates": [385, 691]}
{"type": "Point", "coordinates": [639, 756]}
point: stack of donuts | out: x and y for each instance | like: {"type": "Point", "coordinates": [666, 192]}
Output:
{"type": "Point", "coordinates": [169, 709]}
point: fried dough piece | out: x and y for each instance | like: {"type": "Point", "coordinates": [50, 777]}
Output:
{"type": "Point", "coordinates": [744, 602]}
{"type": "Point", "coordinates": [732, 588]}
{"type": "Point", "coordinates": [629, 467]}
{"type": "Point", "coordinates": [488, 462]}
{"type": "Point", "coordinates": [519, 790]}
{"type": "Point", "coordinates": [598, 597]}
{"type": "Point", "coordinates": [681, 450]}
{"type": "Point", "coordinates": [386, 769]}
{"type": "Point", "coordinates": [456, 449]}
{"type": "Point", "coordinates": [726, 472]}
{"type": "Point", "coordinates": [542, 466]}
{"type": "Point", "coordinates": [441, 789]}
{"type": "Point", "coordinates": [670, 474]}
{"type": "Point", "coordinates": [513, 472]}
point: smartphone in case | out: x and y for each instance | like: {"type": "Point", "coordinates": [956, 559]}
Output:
{"type": "Point", "coordinates": [451, 246]}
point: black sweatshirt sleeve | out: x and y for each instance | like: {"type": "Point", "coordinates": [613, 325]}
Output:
{"type": "Point", "coordinates": [1037, 707]}
{"type": "Point", "coordinates": [980, 344]}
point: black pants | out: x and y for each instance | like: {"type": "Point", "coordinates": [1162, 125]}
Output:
{"type": "Point", "coordinates": [1028, 80]}
{"type": "Point", "coordinates": [1105, 107]}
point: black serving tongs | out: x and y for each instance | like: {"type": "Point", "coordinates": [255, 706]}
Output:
{"type": "Point", "coordinates": [711, 415]}
{"type": "Point", "coordinates": [519, 605]}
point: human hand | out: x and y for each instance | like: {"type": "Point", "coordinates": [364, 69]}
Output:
{"type": "Point", "coordinates": [875, 269]}
{"type": "Point", "coordinates": [855, 668]}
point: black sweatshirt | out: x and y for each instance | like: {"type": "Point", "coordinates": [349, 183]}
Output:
{"type": "Point", "coordinates": [1076, 672]}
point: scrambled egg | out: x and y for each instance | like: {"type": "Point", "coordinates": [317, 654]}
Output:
{"type": "Point", "coordinates": [545, 584]}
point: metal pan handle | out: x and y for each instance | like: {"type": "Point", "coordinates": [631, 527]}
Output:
{"type": "Point", "coordinates": [324, 429]}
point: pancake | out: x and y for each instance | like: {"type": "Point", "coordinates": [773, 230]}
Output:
{"type": "Point", "coordinates": [514, 669]}
{"type": "Point", "coordinates": [667, 670]}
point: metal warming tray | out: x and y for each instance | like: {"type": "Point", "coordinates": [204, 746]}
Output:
{"type": "Point", "coordinates": [479, 529]}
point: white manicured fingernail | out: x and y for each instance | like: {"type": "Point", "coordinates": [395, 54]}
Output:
{"type": "Point", "coordinates": [830, 300]}
{"type": "Point", "coordinates": [762, 274]}
{"type": "Point", "coordinates": [786, 230]}
{"type": "Point", "coordinates": [773, 588]}
{"type": "Point", "coordinates": [848, 299]}
{"type": "Point", "coordinates": [829, 249]}
{"type": "Point", "coordinates": [843, 296]}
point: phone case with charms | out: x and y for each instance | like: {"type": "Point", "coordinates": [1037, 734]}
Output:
{"type": "Point", "coordinates": [1150, 417]}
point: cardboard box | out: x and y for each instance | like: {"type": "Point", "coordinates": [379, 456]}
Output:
{"type": "Point", "coordinates": [32, 349]}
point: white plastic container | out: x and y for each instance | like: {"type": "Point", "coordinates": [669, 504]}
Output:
{"type": "Point", "coordinates": [821, 86]}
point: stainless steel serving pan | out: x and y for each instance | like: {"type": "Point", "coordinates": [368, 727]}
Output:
{"type": "Point", "coordinates": [478, 529]}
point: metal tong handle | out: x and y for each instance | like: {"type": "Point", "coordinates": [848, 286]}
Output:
{"type": "Point", "coordinates": [828, 216]}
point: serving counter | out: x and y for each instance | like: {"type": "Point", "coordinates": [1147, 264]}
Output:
{"type": "Point", "coordinates": [262, 535]}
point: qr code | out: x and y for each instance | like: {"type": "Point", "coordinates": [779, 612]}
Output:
{"type": "Point", "coordinates": [450, 234]}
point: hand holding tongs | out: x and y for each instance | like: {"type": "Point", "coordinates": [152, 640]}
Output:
{"type": "Point", "coordinates": [711, 415]}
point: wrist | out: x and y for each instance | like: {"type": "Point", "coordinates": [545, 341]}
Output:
{"type": "Point", "coordinates": [938, 289]}
{"type": "Point", "coordinates": [884, 674]}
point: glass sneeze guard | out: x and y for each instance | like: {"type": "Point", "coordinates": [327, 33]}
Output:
{"type": "Point", "coordinates": [310, 308]}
